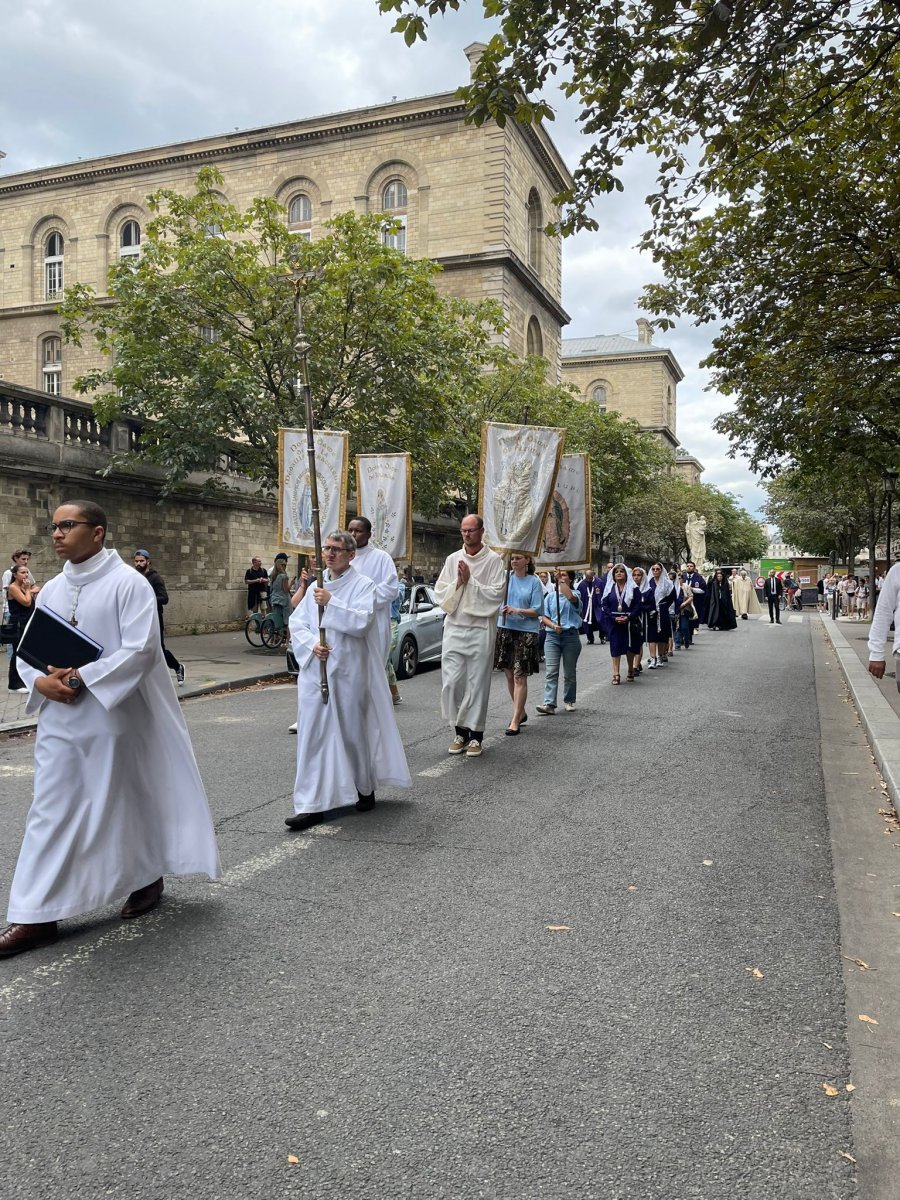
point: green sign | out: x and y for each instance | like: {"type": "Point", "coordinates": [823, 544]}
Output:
{"type": "Point", "coordinates": [775, 564]}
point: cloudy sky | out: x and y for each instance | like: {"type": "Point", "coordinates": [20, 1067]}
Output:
{"type": "Point", "coordinates": [88, 77]}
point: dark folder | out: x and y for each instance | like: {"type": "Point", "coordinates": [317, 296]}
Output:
{"type": "Point", "coordinates": [49, 638]}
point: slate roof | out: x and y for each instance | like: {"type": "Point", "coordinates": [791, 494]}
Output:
{"type": "Point", "coordinates": [607, 344]}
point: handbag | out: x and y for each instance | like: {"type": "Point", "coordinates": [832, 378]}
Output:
{"type": "Point", "coordinates": [7, 633]}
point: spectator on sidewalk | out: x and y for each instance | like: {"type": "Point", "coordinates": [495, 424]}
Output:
{"type": "Point", "coordinates": [256, 578]}
{"type": "Point", "coordinates": [20, 597]}
{"type": "Point", "coordinates": [279, 594]}
{"type": "Point", "coordinates": [156, 581]}
{"type": "Point", "coordinates": [887, 611]}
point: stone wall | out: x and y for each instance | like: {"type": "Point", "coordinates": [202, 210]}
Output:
{"type": "Point", "coordinates": [51, 451]}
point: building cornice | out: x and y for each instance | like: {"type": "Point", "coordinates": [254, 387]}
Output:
{"type": "Point", "coordinates": [222, 146]}
{"type": "Point", "coordinates": [511, 261]}
{"type": "Point", "coordinates": [598, 360]}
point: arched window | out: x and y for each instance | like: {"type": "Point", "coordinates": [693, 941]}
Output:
{"type": "Point", "coordinates": [535, 230]}
{"type": "Point", "coordinates": [130, 240]}
{"type": "Point", "coordinates": [395, 202]}
{"type": "Point", "coordinates": [599, 396]}
{"type": "Point", "coordinates": [300, 215]}
{"type": "Point", "coordinates": [51, 365]}
{"type": "Point", "coordinates": [53, 266]}
{"type": "Point", "coordinates": [534, 340]}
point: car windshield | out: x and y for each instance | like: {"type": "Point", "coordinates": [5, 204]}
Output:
{"type": "Point", "coordinates": [415, 596]}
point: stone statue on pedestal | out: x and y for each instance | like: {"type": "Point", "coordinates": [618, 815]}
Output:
{"type": "Point", "coordinates": [695, 531]}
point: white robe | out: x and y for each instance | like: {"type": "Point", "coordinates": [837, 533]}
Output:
{"type": "Point", "coordinates": [744, 595]}
{"type": "Point", "coordinates": [378, 566]}
{"type": "Point", "coordinates": [118, 800]}
{"type": "Point", "coordinates": [351, 745]}
{"type": "Point", "coordinates": [470, 630]}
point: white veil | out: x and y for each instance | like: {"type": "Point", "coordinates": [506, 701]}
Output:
{"type": "Point", "coordinates": [610, 583]}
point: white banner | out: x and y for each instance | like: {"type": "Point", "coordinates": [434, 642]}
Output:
{"type": "Point", "coordinates": [384, 495]}
{"type": "Point", "coordinates": [294, 494]}
{"type": "Point", "coordinates": [519, 464]}
{"type": "Point", "coordinates": [567, 533]}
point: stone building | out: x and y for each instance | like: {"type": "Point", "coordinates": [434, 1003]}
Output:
{"type": "Point", "coordinates": [475, 200]}
{"type": "Point", "coordinates": [634, 378]}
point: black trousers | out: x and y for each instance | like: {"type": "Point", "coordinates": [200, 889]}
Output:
{"type": "Point", "coordinates": [774, 603]}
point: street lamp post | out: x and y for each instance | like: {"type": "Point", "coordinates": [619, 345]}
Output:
{"type": "Point", "coordinates": [889, 479]}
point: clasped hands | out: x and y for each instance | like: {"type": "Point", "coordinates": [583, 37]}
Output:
{"type": "Point", "coordinates": [53, 686]}
{"type": "Point", "coordinates": [462, 574]}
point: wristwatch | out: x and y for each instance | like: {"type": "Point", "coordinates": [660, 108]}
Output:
{"type": "Point", "coordinates": [74, 682]}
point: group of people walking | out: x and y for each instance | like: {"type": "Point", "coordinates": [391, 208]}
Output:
{"type": "Point", "coordinates": [138, 811]}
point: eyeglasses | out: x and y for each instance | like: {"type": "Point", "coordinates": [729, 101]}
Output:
{"type": "Point", "coordinates": [65, 526]}
{"type": "Point", "coordinates": [335, 550]}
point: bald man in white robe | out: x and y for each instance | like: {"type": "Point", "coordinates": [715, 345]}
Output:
{"type": "Point", "coordinates": [469, 589]}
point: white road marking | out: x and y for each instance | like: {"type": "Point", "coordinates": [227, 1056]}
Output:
{"type": "Point", "coordinates": [26, 988]}
{"type": "Point", "coordinates": [794, 618]}
{"type": "Point", "coordinates": [16, 772]}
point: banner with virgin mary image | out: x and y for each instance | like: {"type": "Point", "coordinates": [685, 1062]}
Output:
{"type": "Point", "coordinates": [519, 464]}
{"type": "Point", "coordinates": [567, 532]}
{"type": "Point", "coordinates": [295, 521]}
{"type": "Point", "coordinates": [384, 495]}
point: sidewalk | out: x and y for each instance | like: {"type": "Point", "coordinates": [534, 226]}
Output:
{"type": "Point", "coordinates": [876, 701]}
{"type": "Point", "coordinates": [212, 661]}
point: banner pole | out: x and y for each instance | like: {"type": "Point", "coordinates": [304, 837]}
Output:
{"type": "Point", "coordinates": [506, 588]}
{"type": "Point", "coordinates": [301, 349]}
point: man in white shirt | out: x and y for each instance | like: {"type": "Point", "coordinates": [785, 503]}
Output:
{"type": "Point", "coordinates": [469, 589]}
{"type": "Point", "coordinates": [886, 611]}
{"type": "Point", "coordinates": [378, 566]}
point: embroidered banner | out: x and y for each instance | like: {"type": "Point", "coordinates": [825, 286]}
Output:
{"type": "Point", "coordinates": [567, 532]}
{"type": "Point", "coordinates": [519, 464]}
{"type": "Point", "coordinates": [384, 495]}
{"type": "Point", "coordinates": [294, 495]}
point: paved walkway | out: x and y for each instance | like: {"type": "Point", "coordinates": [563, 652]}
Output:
{"type": "Point", "coordinates": [212, 661]}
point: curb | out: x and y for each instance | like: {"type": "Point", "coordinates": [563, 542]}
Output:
{"type": "Point", "coordinates": [879, 720]}
{"type": "Point", "coordinates": [223, 685]}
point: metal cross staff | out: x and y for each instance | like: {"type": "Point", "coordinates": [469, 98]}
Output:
{"type": "Point", "coordinates": [301, 350]}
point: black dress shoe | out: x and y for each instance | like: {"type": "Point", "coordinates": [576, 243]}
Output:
{"type": "Point", "coordinates": [15, 939]}
{"type": "Point", "coordinates": [510, 732]}
{"type": "Point", "coordinates": [304, 820]}
{"type": "Point", "coordinates": [365, 803]}
{"type": "Point", "coordinates": [143, 900]}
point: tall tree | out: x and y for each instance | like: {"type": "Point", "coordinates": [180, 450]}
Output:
{"type": "Point", "coordinates": [802, 269]}
{"type": "Point", "coordinates": [653, 524]}
{"type": "Point", "coordinates": [199, 340]}
{"type": "Point", "coordinates": [664, 74]}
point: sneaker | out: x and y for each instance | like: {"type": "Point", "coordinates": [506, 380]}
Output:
{"type": "Point", "coordinates": [398, 699]}
{"type": "Point", "coordinates": [457, 746]}
{"type": "Point", "coordinates": [473, 750]}
{"type": "Point", "coordinates": [179, 674]}
{"type": "Point", "coordinates": [21, 689]}
{"type": "Point", "coordinates": [292, 728]}
{"type": "Point", "coordinates": [570, 708]}
{"type": "Point", "coordinates": [546, 710]}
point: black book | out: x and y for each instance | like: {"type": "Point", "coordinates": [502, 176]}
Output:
{"type": "Point", "coordinates": [50, 639]}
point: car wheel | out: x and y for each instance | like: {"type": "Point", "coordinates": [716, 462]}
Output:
{"type": "Point", "coordinates": [409, 658]}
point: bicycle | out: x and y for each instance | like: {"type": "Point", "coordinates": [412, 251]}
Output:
{"type": "Point", "coordinates": [266, 630]}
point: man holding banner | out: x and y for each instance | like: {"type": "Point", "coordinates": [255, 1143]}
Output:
{"type": "Point", "coordinates": [469, 589]}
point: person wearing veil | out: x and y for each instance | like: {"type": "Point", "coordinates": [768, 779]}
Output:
{"type": "Point", "coordinates": [659, 622]}
{"type": "Point", "coordinates": [673, 604]}
{"type": "Point", "coordinates": [620, 599]}
{"type": "Point", "coordinates": [719, 606]}
{"type": "Point", "coordinates": [639, 626]}
{"type": "Point", "coordinates": [743, 594]}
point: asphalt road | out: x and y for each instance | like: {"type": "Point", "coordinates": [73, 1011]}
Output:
{"type": "Point", "coordinates": [384, 1000]}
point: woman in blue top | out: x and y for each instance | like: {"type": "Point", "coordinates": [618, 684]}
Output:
{"type": "Point", "coordinates": [516, 651]}
{"type": "Point", "coordinates": [562, 619]}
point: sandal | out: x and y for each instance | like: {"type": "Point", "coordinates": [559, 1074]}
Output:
{"type": "Point", "coordinates": [629, 678]}
{"type": "Point", "coordinates": [616, 679]}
